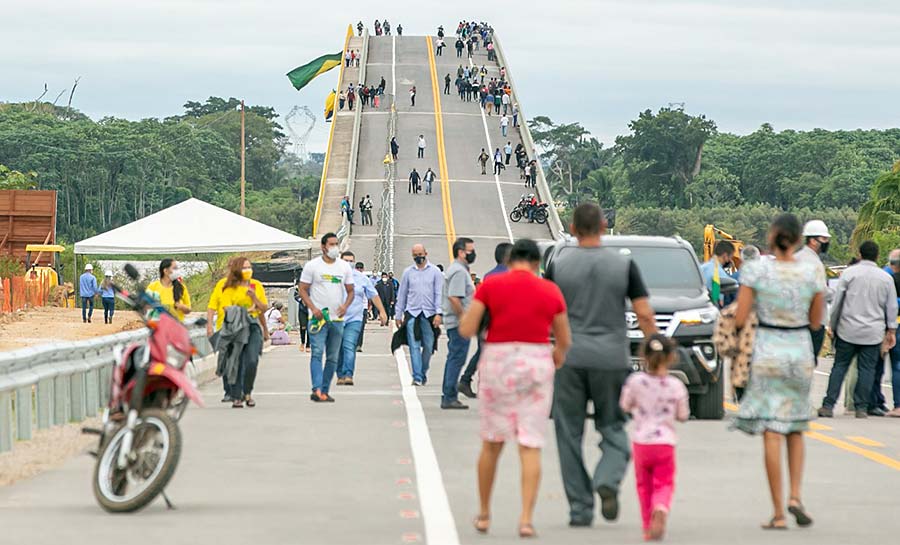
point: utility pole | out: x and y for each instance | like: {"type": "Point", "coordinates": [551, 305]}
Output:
{"type": "Point", "coordinates": [243, 151]}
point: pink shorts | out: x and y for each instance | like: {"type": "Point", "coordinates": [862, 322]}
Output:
{"type": "Point", "coordinates": [515, 391]}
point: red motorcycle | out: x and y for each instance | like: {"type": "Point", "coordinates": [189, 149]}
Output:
{"type": "Point", "coordinates": [140, 442]}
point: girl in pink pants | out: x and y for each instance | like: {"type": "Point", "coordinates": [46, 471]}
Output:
{"type": "Point", "coordinates": [655, 400]}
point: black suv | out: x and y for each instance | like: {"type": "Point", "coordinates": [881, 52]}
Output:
{"type": "Point", "coordinates": [683, 310]}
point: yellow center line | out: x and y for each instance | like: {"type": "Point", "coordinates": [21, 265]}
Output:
{"type": "Point", "coordinates": [865, 441]}
{"type": "Point", "coordinates": [442, 155]}
{"type": "Point", "coordinates": [876, 457]}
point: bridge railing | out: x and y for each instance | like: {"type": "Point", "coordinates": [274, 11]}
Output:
{"type": "Point", "coordinates": [556, 226]}
{"type": "Point", "coordinates": [59, 383]}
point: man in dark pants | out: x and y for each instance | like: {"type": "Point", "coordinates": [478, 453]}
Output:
{"type": "Point", "coordinates": [458, 292]}
{"type": "Point", "coordinates": [598, 362]}
{"type": "Point", "coordinates": [864, 323]}
{"type": "Point", "coordinates": [818, 239]}
{"type": "Point", "coordinates": [501, 256]}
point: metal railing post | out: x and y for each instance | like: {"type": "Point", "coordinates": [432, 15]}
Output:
{"type": "Point", "coordinates": [6, 422]}
{"type": "Point", "coordinates": [23, 413]}
{"type": "Point", "coordinates": [44, 403]}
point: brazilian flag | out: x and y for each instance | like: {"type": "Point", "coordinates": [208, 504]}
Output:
{"type": "Point", "coordinates": [329, 106]}
{"type": "Point", "coordinates": [302, 75]}
{"type": "Point", "coordinates": [716, 295]}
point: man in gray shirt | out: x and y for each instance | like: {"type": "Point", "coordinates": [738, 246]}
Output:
{"type": "Point", "coordinates": [458, 292]}
{"type": "Point", "coordinates": [595, 281]}
{"type": "Point", "coordinates": [863, 324]}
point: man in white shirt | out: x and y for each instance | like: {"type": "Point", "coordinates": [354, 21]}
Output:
{"type": "Point", "coordinates": [326, 288]}
{"type": "Point", "coordinates": [817, 240]}
{"type": "Point", "coordinates": [504, 124]}
{"type": "Point", "coordinates": [422, 146]}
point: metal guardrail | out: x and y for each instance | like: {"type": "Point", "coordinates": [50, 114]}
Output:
{"type": "Point", "coordinates": [59, 383]}
{"type": "Point", "coordinates": [556, 226]}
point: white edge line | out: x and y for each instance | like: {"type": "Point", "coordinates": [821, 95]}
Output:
{"type": "Point", "coordinates": [440, 526]}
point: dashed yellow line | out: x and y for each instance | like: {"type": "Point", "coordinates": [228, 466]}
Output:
{"type": "Point", "coordinates": [442, 155]}
{"type": "Point", "coordinates": [865, 441]}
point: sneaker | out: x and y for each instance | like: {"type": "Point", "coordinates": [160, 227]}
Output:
{"type": "Point", "coordinates": [455, 404]}
{"type": "Point", "coordinates": [894, 413]}
{"type": "Point", "coordinates": [877, 411]}
{"type": "Point", "coordinates": [825, 412]}
{"type": "Point", "coordinates": [348, 381]}
{"type": "Point", "coordinates": [465, 388]}
{"type": "Point", "coordinates": [416, 383]}
{"type": "Point", "coordinates": [862, 414]}
{"type": "Point", "coordinates": [340, 381]}
{"type": "Point", "coordinates": [609, 503]}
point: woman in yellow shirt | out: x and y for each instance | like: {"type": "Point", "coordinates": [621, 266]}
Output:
{"type": "Point", "coordinates": [239, 289]}
{"type": "Point", "coordinates": [172, 293]}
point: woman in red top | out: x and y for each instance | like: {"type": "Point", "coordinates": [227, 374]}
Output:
{"type": "Point", "coordinates": [516, 370]}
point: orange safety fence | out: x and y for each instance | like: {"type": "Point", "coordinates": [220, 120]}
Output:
{"type": "Point", "coordinates": [20, 292]}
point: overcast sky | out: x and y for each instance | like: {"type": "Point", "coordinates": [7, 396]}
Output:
{"type": "Point", "coordinates": [816, 63]}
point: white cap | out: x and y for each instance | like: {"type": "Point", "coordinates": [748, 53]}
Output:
{"type": "Point", "coordinates": [816, 228]}
{"type": "Point", "coordinates": [89, 267]}
{"type": "Point", "coordinates": [108, 273]}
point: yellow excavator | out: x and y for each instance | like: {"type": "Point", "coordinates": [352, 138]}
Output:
{"type": "Point", "coordinates": [710, 234]}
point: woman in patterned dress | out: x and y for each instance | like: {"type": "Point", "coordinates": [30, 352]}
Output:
{"type": "Point", "coordinates": [516, 369]}
{"type": "Point", "coordinates": [787, 296]}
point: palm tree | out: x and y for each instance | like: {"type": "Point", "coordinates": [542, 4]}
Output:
{"type": "Point", "coordinates": [882, 212]}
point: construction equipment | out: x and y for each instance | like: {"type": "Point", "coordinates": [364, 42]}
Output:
{"type": "Point", "coordinates": [710, 232]}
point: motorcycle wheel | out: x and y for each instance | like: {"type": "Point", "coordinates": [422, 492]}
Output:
{"type": "Point", "coordinates": [515, 215]}
{"type": "Point", "coordinates": [157, 449]}
{"type": "Point", "coordinates": [540, 216]}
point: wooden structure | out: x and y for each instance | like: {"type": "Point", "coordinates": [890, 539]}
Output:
{"type": "Point", "coordinates": [27, 217]}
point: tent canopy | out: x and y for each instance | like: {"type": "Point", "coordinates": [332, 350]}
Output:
{"type": "Point", "coordinates": [190, 227]}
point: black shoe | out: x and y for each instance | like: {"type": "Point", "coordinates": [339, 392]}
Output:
{"type": "Point", "coordinates": [877, 411]}
{"type": "Point", "coordinates": [465, 388]}
{"type": "Point", "coordinates": [609, 503]}
{"type": "Point", "coordinates": [861, 414]}
{"type": "Point", "coordinates": [89, 320]}
{"type": "Point", "coordinates": [328, 399]}
{"type": "Point", "coordinates": [455, 404]}
{"type": "Point", "coordinates": [580, 523]}
{"type": "Point", "coordinates": [825, 412]}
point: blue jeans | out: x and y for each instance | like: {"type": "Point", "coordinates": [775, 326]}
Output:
{"type": "Point", "coordinates": [87, 308]}
{"type": "Point", "coordinates": [419, 351]}
{"type": "Point", "coordinates": [457, 350]}
{"type": "Point", "coordinates": [109, 308]}
{"type": "Point", "coordinates": [895, 371]}
{"type": "Point", "coordinates": [325, 343]}
{"type": "Point", "coordinates": [866, 360]}
{"type": "Point", "coordinates": [347, 360]}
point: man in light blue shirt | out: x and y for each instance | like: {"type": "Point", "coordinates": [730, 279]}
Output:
{"type": "Point", "coordinates": [87, 290]}
{"type": "Point", "coordinates": [418, 309]}
{"type": "Point", "coordinates": [363, 292]}
{"type": "Point", "coordinates": [723, 253]}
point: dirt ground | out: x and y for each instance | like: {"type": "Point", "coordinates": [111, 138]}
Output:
{"type": "Point", "coordinates": [51, 324]}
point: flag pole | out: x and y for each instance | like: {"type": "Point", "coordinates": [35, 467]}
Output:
{"type": "Point", "coordinates": [243, 151]}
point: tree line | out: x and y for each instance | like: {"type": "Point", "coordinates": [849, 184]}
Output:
{"type": "Point", "coordinates": [675, 172]}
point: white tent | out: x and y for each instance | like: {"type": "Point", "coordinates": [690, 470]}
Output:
{"type": "Point", "coordinates": [189, 227]}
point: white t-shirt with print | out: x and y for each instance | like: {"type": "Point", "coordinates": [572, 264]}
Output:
{"type": "Point", "coordinates": [327, 283]}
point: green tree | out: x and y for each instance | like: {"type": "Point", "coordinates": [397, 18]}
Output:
{"type": "Point", "coordinates": [13, 179]}
{"type": "Point", "coordinates": [881, 215]}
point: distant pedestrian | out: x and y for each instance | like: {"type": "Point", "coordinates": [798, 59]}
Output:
{"type": "Point", "coordinates": [352, 58]}
{"type": "Point", "coordinates": [488, 102]}
{"type": "Point", "coordinates": [787, 296]}
{"type": "Point", "coordinates": [359, 28]}
{"type": "Point", "coordinates": [376, 101]}
{"type": "Point", "coordinates": [399, 30]}
{"type": "Point", "coordinates": [498, 161]}
{"type": "Point", "coordinates": [515, 114]}
{"type": "Point", "coordinates": [342, 98]}
{"type": "Point", "coordinates": [507, 150]}
{"type": "Point", "coordinates": [395, 147]}
{"type": "Point", "coordinates": [459, 47]}
{"type": "Point", "coordinates": [655, 399]}
{"type": "Point", "coordinates": [348, 58]}
{"type": "Point", "coordinates": [108, 297]}
{"type": "Point", "coordinates": [439, 47]}
{"type": "Point", "coordinates": [302, 319]}
{"type": "Point", "coordinates": [497, 100]}
{"type": "Point", "coordinates": [421, 146]}
{"type": "Point", "coordinates": [504, 99]}
{"type": "Point", "coordinates": [351, 98]}
{"type": "Point", "coordinates": [447, 84]}
{"type": "Point", "coordinates": [88, 289]}
{"type": "Point", "coordinates": [483, 159]}
{"type": "Point", "coordinates": [366, 208]}
{"type": "Point", "coordinates": [418, 311]}
{"type": "Point", "coordinates": [346, 209]}
{"type": "Point", "coordinates": [429, 181]}
{"type": "Point", "coordinates": [532, 172]}
{"type": "Point", "coordinates": [358, 57]}
{"type": "Point", "coordinates": [414, 182]}
{"type": "Point", "coordinates": [412, 96]}
{"type": "Point", "coordinates": [326, 287]}
{"type": "Point", "coordinates": [387, 28]}
{"type": "Point", "coordinates": [504, 126]}
{"type": "Point", "coordinates": [516, 368]}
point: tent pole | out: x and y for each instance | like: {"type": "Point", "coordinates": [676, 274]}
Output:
{"type": "Point", "coordinates": [75, 284]}
{"type": "Point", "coordinates": [243, 180]}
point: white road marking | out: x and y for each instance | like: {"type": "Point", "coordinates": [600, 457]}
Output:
{"type": "Point", "coordinates": [440, 526]}
{"type": "Point", "coordinates": [487, 137]}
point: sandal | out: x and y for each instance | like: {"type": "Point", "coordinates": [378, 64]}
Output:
{"type": "Point", "coordinates": [799, 512]}
{"type": "Point", "coordinates": [237, 404]}
{"type": "Point", "coordinates": [776, 523]}
{"type": "Point", "coordinates": [482, 523]}
{"type": "Point", "coordinates": [250, 402]}
{"type": "Point", "coordinates": [527, 530]}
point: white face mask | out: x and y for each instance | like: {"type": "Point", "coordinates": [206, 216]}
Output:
{"type": "Point", "coordinates": [334, 252]}
{"type": "Point", "coordinates": [175, 274]}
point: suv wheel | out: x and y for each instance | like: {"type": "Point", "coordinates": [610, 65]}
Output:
{"type": "Point", "coordinates": [709, 406]}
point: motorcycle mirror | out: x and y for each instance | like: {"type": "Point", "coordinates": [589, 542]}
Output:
{"type": "Point", "coordinates": [131, 271]}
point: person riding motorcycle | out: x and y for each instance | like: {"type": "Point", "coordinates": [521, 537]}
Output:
{"type": "Point", "coordinates": [530, 207]}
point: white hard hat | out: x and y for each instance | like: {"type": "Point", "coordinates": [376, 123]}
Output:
{"type": "Point", "coordinates": [108, 273]}
{"type": "Point", "coordinates": [816, 228]}
{"type": "Point", "coordinates": [89, 267]}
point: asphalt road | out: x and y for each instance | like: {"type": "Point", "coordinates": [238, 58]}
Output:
{"type": "Point", "coordinates": [361, 471]}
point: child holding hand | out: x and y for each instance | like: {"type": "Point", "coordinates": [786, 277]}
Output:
{"type": "Point", "coordinates": [655, 400]}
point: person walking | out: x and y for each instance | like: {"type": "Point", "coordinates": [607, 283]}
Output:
{"type": "Point", "coordinates": [483, 158]}
{"type": "Point", "coordinates": [108, 297]}
{"type": "Point", "coordinates": [170, 289]}
{"type": "Point", "coordinates": [864, 326]}
{"type": "Point", "coordinates": [498, 161]}
{"type": "Point", "coordinates": [359, 28]}
{"type": "Point", "coordinates": [346, 209]}
{"type": "Point", "coordinates": [414, 182]}
{"type": "Point", "coordinates": [367, 210]}
{"type": "Point", "coordinates": [351, 97]}
{"type": "Point", "coordinates": [302, 319]}
{"type": "Point", "coordinates": [387, 293]}
{"type": "Point", "coordinates": [515, 114]}
{"type": "Point", "coordinates": [412, 96]}
{"type": "Point", "coordinates": [395, 148]}
{"type": "Point", "coordinates": [787, 296]}
{"type": "Point", "coordinates": [429, 181]}
{"type": "Point", "coordinates": [458, 292]}
{"type": "Point", "coordinates": [516, 376]}
{"type": "Point", "coordinates": [598, 362]}
{"type": "Point", "coordinates": [238, 289]}
{"type": "Point", "coordinates": [447, 81]}
{"type": "Point", "coordinates": [342, 98]}
{"type": "Point", "coordinates": [504, 126]}
{"type": "Point", "coordinates": [487, 101]}
{"type": "Point", "coordinates": [459, 47]}
{"type": "Point", "coordinates": [326, 287]}
{"type": "Point", "coordinates": [358, 57]}
{"type": "Point", "coordinates": [348, 56]}
{"type": "Point", "coordinates": [501, 257]}
{"type": "Point", "coordinates": [497, 100]}
{"type": "Point", "coordinates": [818, 238]}
{"type": "Point", "coordinates": [655, 400]}
{"type": "Point", "coordinates": [507, 150]}
{"type": "Point", "coordinates": [363, 293]}
{"type": "Point", "coordinates": [504, 99]}
{"type": "Point", "coordinates": [88, 289]}
{"type": "Point", "coordinates": [399, 30]}
{"type": "Point", "coordinates": [532, 172]}
{"type": "Point", "coordinates": [421, 146]}
{"type": "Point", "coordinates": [418, 311]}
